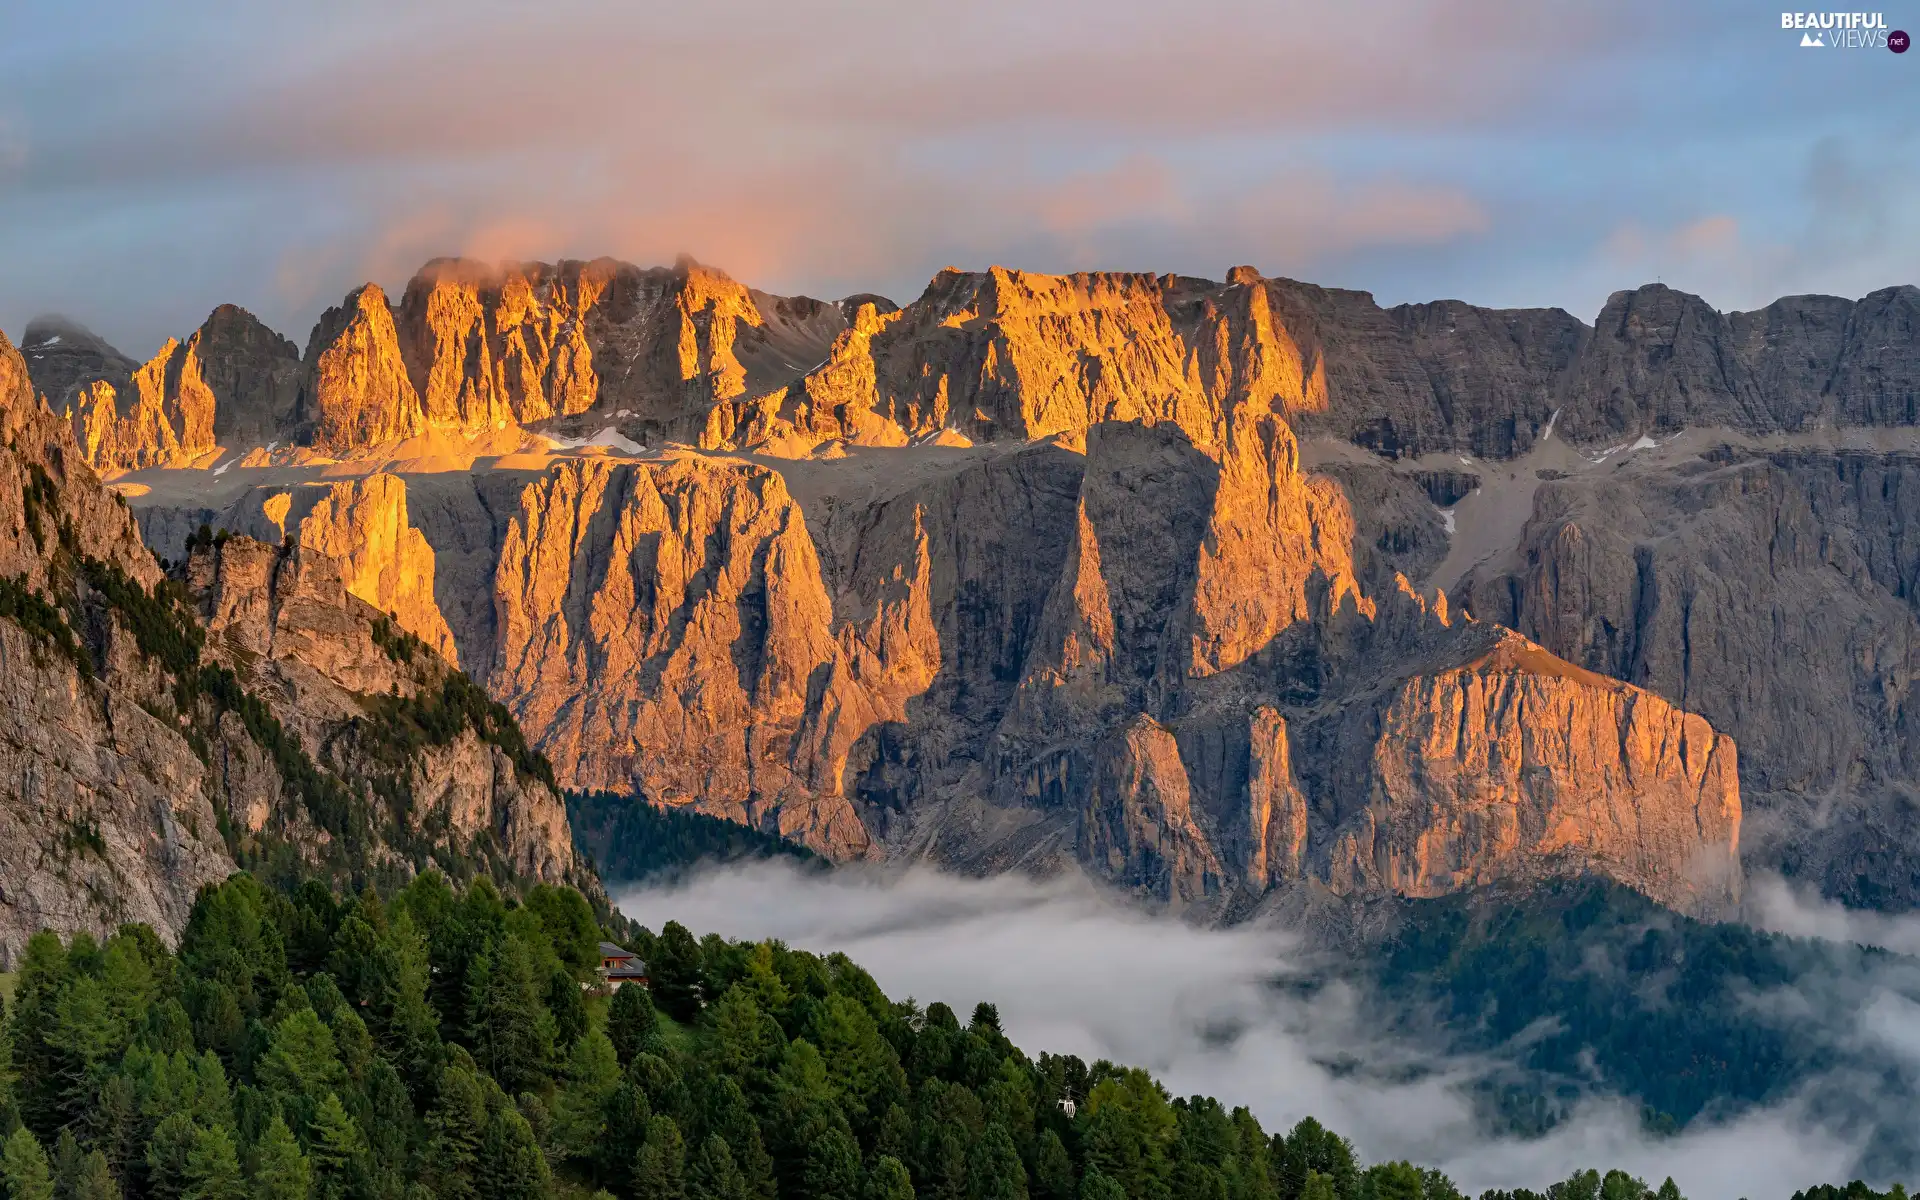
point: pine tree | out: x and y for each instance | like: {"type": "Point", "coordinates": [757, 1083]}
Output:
{"type": "Point", "coordinates": [714, 1175]}
{"type": "Point", "coordinates": [568, 1008]}
{"type": "Point", "coordinates": [213, 1168]}
{"type": "Point", "coordinates": [280, 1170]}
{"type": "Point", "coordinates": [631, 1021]}
{"type": "Point", "coordinates": [675, 971]}
{"type": "Point", "coordinates": [660, 1169]}
{"type": "Point", "coordinates": [42, 1071]}
{"type": "Point", "coordinates": [65, 1163]}
{"type": "Point", "coordinates": [628, 1116]}
{"type": "Point", "coordinates": [94, 1180]}
{"type": "Point", "coordinates": [1392, 1181]}
{"type": "Point", "coordinates": [1671, 1191]}
{"type": "Point", "coordinates": [1052, 1169]}
{"type": "Point", "coordinates": [23, 1165]}
{"type": "Point", "coordinates": [510, 1031]}
{"type": "Point", "coordinates": [167, 1154]}
{"type": "Point", "coordinates": [889, 1180]}
{"type": "Point", "coordinates": [1095, 1186]}
{"type": "Point", "coordinates": [512, 1167]}
{"type": "Point", "coordinates": [994, 1171]}
{"type": "Point", "coordinates": [338, 1151]}
{"type": "Point", "coordinates": [1317, 1187]}
{"type": "Point", "coordinates": [456, 1130]}
{"type": "Point", "coordinates": [831, 1168]}
{"type": "Point", "coordinates": [592, 1072]}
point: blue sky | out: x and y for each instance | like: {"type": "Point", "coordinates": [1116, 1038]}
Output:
{"type": "Point", "coordinates": [158, 160]}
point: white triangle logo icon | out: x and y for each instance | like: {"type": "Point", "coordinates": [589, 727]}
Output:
{"type": "Point", "coordinates": [1812, 39]}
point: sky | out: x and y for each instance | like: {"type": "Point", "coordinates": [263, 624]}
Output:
{"type": "Point", "coordinates": [157, 160]}
{"type": "Point", "coordinates": [1073, 971]}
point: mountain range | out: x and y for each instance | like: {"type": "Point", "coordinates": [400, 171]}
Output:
{"type": "Point", "coordinates": [1233, 594]}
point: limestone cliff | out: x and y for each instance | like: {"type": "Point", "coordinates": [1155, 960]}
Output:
{"type": "Point", "coordinates": [105, 813]}
{"type": "Point", "coordinates": [145, 752]}
{"type": "Point", "coordinates": [882, 640]}
{"type": "Point", "coordinates": [474, 347]}
{"type": "Point", "coordinates": [1770, 591]}
{"type": "Point", "coordinates": [368, 706]}
{"type": "Point", "coordinates": [231, 379]}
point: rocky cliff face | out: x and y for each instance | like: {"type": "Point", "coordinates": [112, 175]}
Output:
{"type": "Point", "coordinates": [1770, 591]}
{"type": "Point", "coordinates": [146, 752]}
{"type": "Point", "coordinates": [474, 347]}
{"type": "Point", "coordinates": [284, 621]}
{"type": "Point", "coordinates": [233, 378]}
{"type": "Point", "coordinates": [1140, 570]}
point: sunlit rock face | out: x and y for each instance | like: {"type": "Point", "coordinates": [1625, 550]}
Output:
{"type": "Point", "coordinates": [1138, 572]}
{"type": "Point", "coordinates": [233, 378]}
{"type": "Point", "coordinates": [117, 803]}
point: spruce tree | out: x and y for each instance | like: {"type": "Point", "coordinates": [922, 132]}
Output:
{"type": "Point", "coordinates": [660, 1168]}
{"type": "Point", "coordinates": [994, 1171]}
{"type": "Point", "coordinates": [631, 1021]}
{"type": "Point", "coordinates": [713, 1175]}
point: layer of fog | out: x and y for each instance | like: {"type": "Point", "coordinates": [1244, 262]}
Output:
{"type": "Point", "coordinates": [1075, 972]}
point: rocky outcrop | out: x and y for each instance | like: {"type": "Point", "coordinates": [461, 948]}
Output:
{"type": "Point", "coordinates": [133, 770]}
{"type": "Point", "coordinates": [1771, 592]}
{"type": "Point", "coordinates": [1515, 760]}
{"type": "Point", "coordinates": [253, 375]}
{"type": "Point", "coordinates": [357, 391]}
{"type": "Point", "coordinates": [474, 347]}
{"type": "Point", "coordinates": [64, 358]}
{"type": "Point", "coordinates": [1149, 656]}
{"type": "Point", "coordinates": [233, 379]}
{"type": "Point", "coordinates": [1014, 355]}
{"type": "Point", "coordinates": [105, 808]}
{"type": "Point", "coordinates": [283, 619]}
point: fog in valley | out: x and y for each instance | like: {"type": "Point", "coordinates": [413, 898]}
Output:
{"type": "Point", "coordinates": [1247, 1014]}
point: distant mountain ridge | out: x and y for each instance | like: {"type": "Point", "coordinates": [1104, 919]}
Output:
{"type": "Point", "coordinates": [1164, 577]}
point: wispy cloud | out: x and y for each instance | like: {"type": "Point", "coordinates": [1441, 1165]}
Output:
{"type": "Point", "coordinates": [1419, 147]}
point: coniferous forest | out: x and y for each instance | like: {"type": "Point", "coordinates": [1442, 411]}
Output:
{"type": "Point", "coordinates": [444, 1043]}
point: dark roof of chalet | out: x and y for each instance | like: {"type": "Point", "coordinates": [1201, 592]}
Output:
{"type": "Point", "coordinates": [637, 971]}
{"type": "Point", "coordinates": [609, 950]}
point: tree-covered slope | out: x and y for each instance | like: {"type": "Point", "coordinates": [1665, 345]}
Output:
{"type": "Point", "coordinates": [439, 1043]}
{"type": "Point", "coordinates": [1591, 986]}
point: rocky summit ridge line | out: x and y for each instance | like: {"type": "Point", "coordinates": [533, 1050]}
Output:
{"type": "Point", "coordinates": [1129, 570]}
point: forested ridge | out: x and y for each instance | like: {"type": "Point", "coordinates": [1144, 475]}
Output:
{"type": "Point", "coordinates": [1584, 979]}
{"type": "Point", "coordinates": [440, 1043]}
{"type": "Point", "coordinates": [631, 839]}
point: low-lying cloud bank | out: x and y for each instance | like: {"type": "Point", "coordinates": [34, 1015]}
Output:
{"type": "Point", "coordinates": [1075, 972]}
